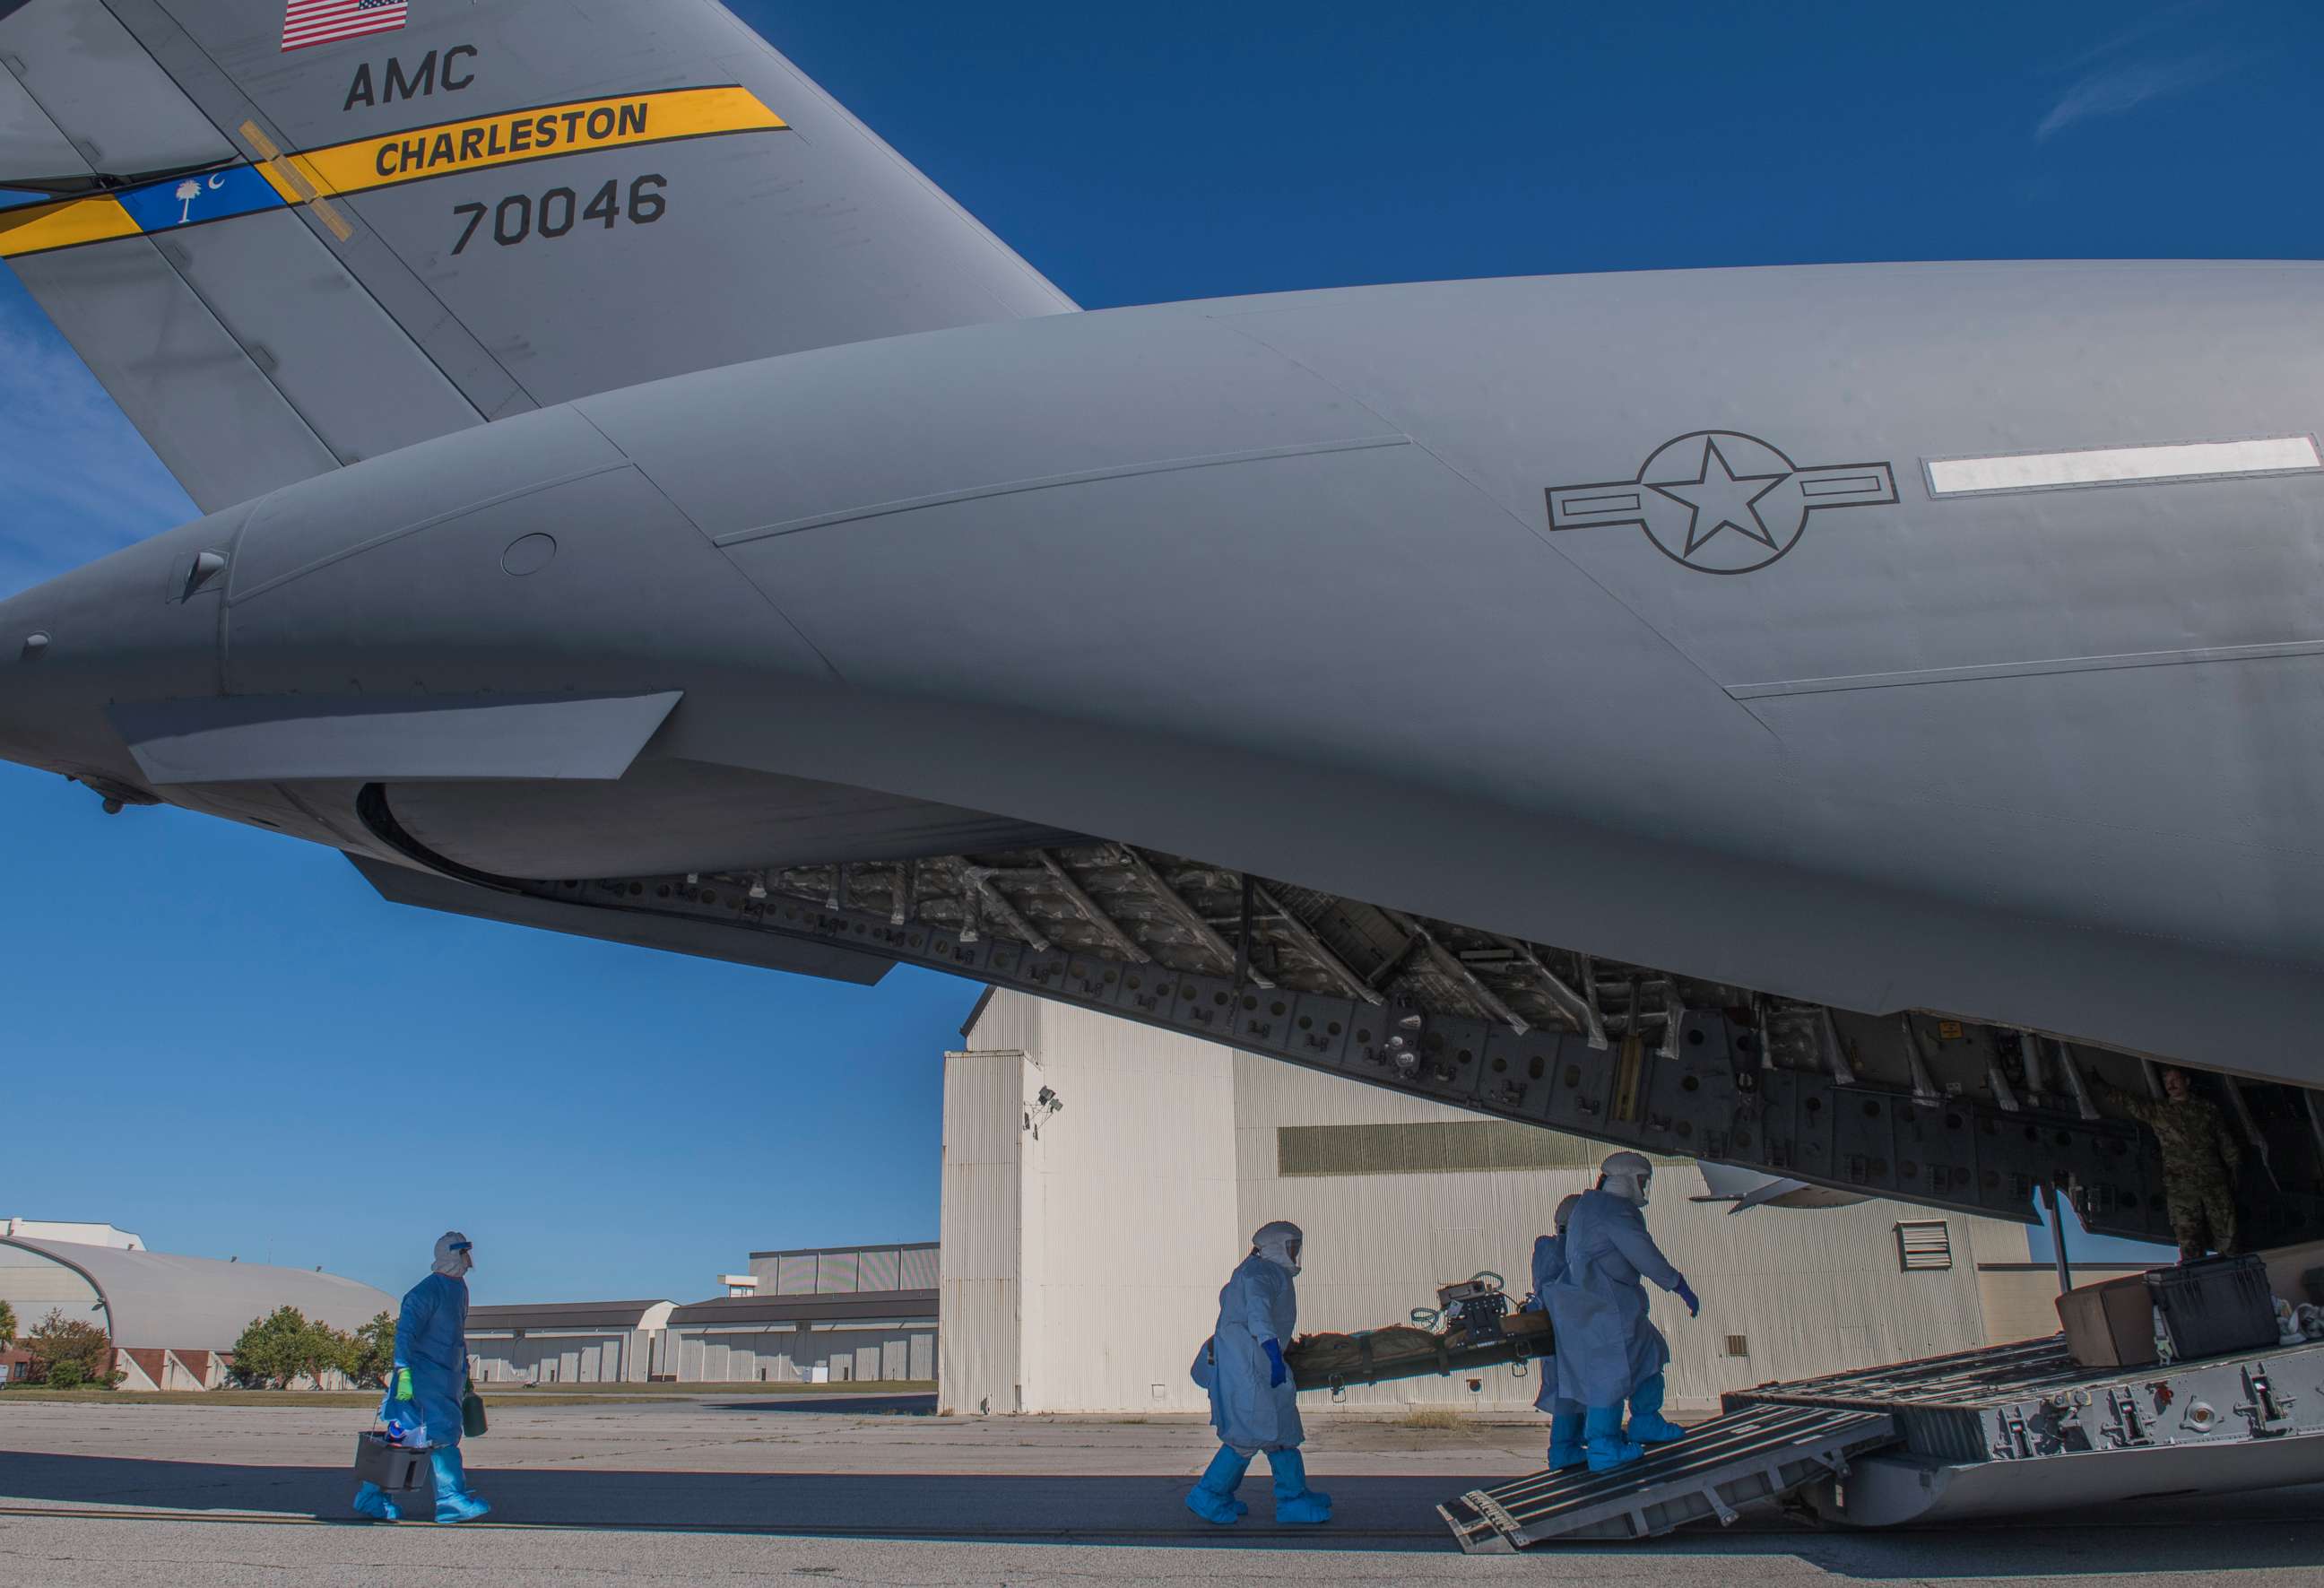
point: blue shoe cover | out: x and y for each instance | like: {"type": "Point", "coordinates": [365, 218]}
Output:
{"type": "Point", "coordinates": [1214, 1499]}
{"type": "Point", "coordinates": [465, 1508]}
{"type": "Point", "coordinates": [454, 1503]}
{"type": "Point", "coordinates": [1308, 1508]}
{"type": "Point", "coordinates": [1294, 1500]}
{"type": "Point", "coordinates": [1603, 1438]}
{"type": "Point", "coordinates": [371, 1500]}
{"type": "Point", "coordinates": [1566, 1450]}
{"type": "Point", "coordinates": [1215, 1508]}
{"type": "Point", "coordinates": [1647, 1424]}
{"type": "Point", "coordinates": [1606, 1454]}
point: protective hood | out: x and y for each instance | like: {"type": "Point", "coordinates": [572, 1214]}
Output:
{"type": "Point", "coordinates": [1626, 1175]}
{"type": "Point", "coordinates": [452, 1255]}
{"type": "Point", "coordinates": [1566, 1212]}
{"type": "Point", "coordinates": [1273, 1243]}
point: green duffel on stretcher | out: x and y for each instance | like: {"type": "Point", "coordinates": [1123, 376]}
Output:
{"type": "Point", "coordinates": [1401, 1351]}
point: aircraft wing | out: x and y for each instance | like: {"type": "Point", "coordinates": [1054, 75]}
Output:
{"type": "Point", "coordinates": [289, 235]}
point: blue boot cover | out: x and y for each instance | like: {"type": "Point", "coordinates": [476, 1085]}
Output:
{"type": "Point", "coordinates": [1647, 1424]}
{"type": "Point", "coordinates": [1214, 1499]}
{"type": "Point", "coordinates": [1565, 1447]}
{"type": "Point", "coordinates": [454, 1503]}
{"type": "Point", "coordinates": [1294, 1500]}
{"type": "Point", "coordinates": [1602, 1435]}
{"type": "Point", "coordinates": [371, 1500]}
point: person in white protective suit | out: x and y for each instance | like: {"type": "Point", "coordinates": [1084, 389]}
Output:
{"type": "Point", "coordinates": [1565, 1417]}
{"type": "Point", "coordinates": [1253, 1406]}
{"type": "Point", "coordinates": [1609, 1352]}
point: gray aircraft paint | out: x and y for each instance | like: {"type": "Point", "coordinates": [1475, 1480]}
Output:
{"type": "Point", "coordinates": [1275, 582]}
{"type": "Point", "coordinates": [1463, 713]}
{"type": "Point", "coordinates": [370, 329]}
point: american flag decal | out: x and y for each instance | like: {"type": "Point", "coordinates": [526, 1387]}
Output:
{"type": "Point", "coordinates": [324, 22]}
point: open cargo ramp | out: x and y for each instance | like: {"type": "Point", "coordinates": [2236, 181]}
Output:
{"type": "Point", "coordinates": [1755, 1454]}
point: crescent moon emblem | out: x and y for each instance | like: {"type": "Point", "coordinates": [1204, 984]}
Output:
{"type": "Point", "coordinates": [217, 181]}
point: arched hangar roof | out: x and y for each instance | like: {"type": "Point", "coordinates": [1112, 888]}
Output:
{"type": "Point", "coordinates": [157, 1299]}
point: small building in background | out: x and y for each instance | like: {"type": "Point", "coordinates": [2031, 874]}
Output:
{"type": "Point", "coordinates": [815, 1315]}
{"type": "Point", "coordinates": [844, 1270]}
{"type": "Point", "coordinates": [859, 1337]}
{"type": "Point", "coordinates": [568, 1342]}
{"type": "Point", "coordinates": [174, 1320]}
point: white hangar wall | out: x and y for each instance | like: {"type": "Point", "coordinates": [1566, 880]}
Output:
{"type": "Point", "coordinates": [1083, 1248]}
{"type": "Point", "coordinates": [1080, 1247]}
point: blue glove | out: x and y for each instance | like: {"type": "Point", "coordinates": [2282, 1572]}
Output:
{"type": "Point", "coordinates": [1686, 1292]}
{"type": "Point", "coordinates": [1277, 1375]}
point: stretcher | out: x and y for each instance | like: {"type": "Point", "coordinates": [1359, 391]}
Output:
{"type": "Point", "coordinates": [1477, 1332]}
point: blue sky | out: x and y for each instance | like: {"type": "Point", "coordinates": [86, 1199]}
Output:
{"type": "Point", "coordinates": [224, 1040]}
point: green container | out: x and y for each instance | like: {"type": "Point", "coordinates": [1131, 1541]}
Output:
{"type": "Point", "coordinates": [472, 1413]}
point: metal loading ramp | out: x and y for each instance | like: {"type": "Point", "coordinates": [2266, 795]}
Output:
{"type": "Point", "coordinates": [1719, 1468]}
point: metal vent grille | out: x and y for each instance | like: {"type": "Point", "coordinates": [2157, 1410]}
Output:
{"type": "Point", "coordinates": [1432, 1149]}
{"type": "Point", "coordinates": [1924, 1244]}
{"type": "Point", "coordinates": [1739, 1345]}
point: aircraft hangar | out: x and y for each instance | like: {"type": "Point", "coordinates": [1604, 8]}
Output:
{"type": "Point", "coordinates": [1102, 1176]}
{"type": "Point", "coordinates": [174, 1320]}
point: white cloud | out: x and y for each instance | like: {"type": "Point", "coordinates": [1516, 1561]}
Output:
{"type": "Point", "coordinates": [2116, 91]}
{"type": "Point", "coordinates": [2160, 21]}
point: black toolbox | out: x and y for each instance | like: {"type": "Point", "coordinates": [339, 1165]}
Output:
{"type": "Point", "coordinates": [2215, 1307]}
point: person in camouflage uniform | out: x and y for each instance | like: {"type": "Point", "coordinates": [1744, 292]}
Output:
{"type": "Point", "coordinates": [2200, 1156]}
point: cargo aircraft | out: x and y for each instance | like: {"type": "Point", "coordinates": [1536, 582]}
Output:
{"type": "Point", "coordinates": [1835, 722]}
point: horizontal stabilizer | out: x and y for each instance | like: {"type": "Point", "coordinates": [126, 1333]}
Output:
{"type": "Point", "coordinates": [245, 739]}
{"type": "Point", "coordinates": [425, 891]}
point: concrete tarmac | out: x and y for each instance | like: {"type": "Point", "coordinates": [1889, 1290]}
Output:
{"type": "Point", "coordinates": [750, 1486]}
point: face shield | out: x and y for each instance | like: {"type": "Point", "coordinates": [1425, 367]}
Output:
{"type": "Point", "coordinates": [1629, 1176]}
{"type": "Point", "coordinates": [1280, 1243]}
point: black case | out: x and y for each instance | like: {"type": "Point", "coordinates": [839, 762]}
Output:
{"type": "Point", "coordinates": [397, 1468]}
{"type": "Point", "coordinates": [2217, 1306]}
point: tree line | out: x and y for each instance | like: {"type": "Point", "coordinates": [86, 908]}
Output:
{"type": "Point", "coordinates": [273, 1353]}
{"type": "Point", "coordinates": [286, 1346]}
{"type": "Point", "coordinates": [66, 1352]}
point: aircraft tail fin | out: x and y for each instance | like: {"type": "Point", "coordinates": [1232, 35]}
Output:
{"type": "Point", "coordinates": [290, 234]}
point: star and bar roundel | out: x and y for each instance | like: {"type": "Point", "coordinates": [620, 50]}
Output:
{"type": "Point", "coordinates": [1720, 501]}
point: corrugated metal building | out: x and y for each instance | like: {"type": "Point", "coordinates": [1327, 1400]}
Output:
{"type": "Point", "coordinates": [845, 1271]}
{"type": "Point", "coordinates": [567, 1342]}
{"type": "Point", "coordinates": [815, 1314]}
{"type": "Point", "coordinates": [174, 1320]}
{"type": "Point", "coordinates": [807, 1338]}
{"type": "Point", "coordinates": [1086, 1237]}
